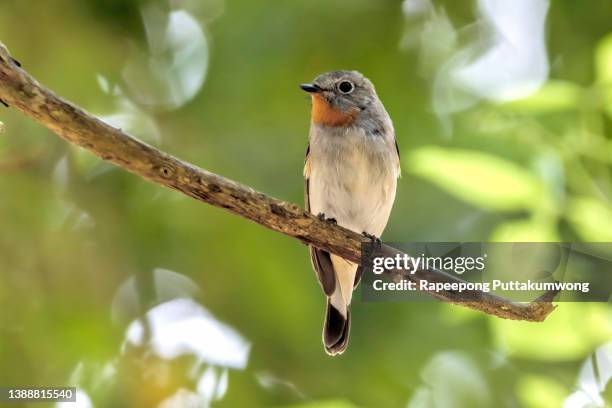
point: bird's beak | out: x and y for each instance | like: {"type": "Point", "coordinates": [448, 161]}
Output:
{"type": "Point", "coordinates": [311, 88]}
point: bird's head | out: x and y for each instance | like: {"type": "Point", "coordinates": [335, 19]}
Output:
{"type": "Point", "coordinates": [338, 97]}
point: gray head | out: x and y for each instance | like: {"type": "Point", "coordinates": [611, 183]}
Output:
{"type": "Point", "coordinates": [347, 98]}
{"type": "Point", "coordinates": [343, 90]}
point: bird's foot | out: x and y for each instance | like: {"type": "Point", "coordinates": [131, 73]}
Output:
{"type": "Point", "coordinates": [322, 217]}
{"type": "Point", "coordinates": [375, 240]}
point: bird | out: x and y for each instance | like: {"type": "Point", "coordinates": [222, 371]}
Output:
{"type": "Point", "coordinates": [350, 178]}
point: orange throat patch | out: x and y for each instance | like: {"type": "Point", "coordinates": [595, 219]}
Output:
{"type": "Point", "coordinates": [324, 114]}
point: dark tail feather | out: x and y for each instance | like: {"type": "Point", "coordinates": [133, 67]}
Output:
{"type": "Point", "coordinates": [336, 330]}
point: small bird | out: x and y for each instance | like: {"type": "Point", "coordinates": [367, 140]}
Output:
{"type": "Point", "coordinates": [350, 173]}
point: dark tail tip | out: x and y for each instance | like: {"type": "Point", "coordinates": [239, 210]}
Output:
{"type": "Point", "coordinates": [336, 330]}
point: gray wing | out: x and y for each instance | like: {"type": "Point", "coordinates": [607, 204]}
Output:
{"type": "Point", "coordinates": [321, 262]}
{"type": "Point", "coordinates": [397, 149]}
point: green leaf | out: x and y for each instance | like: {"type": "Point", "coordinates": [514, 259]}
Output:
{"type": "Point", "coordinates": [556, 338]}
{"type": "Point", "coordinates": [603, 71]}
{"type": "Point", "coordinates": [529, 230]}
{"type": "Point", "coordinates": [480, 179]}
{"type": "Point", "coordinates": [603, 60]}
{"type": "Point", "coordinates": [553, 96]}
{"type": "Point", "coordinates": [536, 391]}
{"type": "Point", "coordinates": [591, 218]}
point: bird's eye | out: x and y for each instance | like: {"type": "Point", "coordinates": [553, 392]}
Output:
{"type": "Point", "coordinates": [346, 87]}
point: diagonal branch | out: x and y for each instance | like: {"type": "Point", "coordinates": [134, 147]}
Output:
{"type": "Point", "coordinates": [21, 91]}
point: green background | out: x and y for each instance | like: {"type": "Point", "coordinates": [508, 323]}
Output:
{"type": "Point", "coordinates": [74, 229]}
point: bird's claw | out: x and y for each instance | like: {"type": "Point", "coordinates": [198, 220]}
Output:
{"type": "Point", "coordinates": [4, 103]}
{"type": "Point", "coordinates": [322, 217]}
{"type": "Point", "coordinates": [373, 238]}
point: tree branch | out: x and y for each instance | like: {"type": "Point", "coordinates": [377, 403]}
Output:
{"type": "Point", "coordinates": [21, 91]}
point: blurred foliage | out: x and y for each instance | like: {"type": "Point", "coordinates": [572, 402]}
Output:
{"type": "Point", "coordinates": [74, 230]}
{"type": "Point", "coordinates": [540, 392]}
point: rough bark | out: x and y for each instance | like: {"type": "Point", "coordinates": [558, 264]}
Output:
{"type": "Point", "coordinates": [21, 91]}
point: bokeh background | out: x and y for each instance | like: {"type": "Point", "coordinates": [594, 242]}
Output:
{"type": "Point", "coordinates": [140, 296]}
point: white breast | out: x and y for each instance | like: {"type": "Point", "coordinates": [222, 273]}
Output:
{"type": "Point", "coordinates": [352, 178]}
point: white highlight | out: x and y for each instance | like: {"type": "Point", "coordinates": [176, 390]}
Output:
{"type": "Point", "coordinates": [182, 326]}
